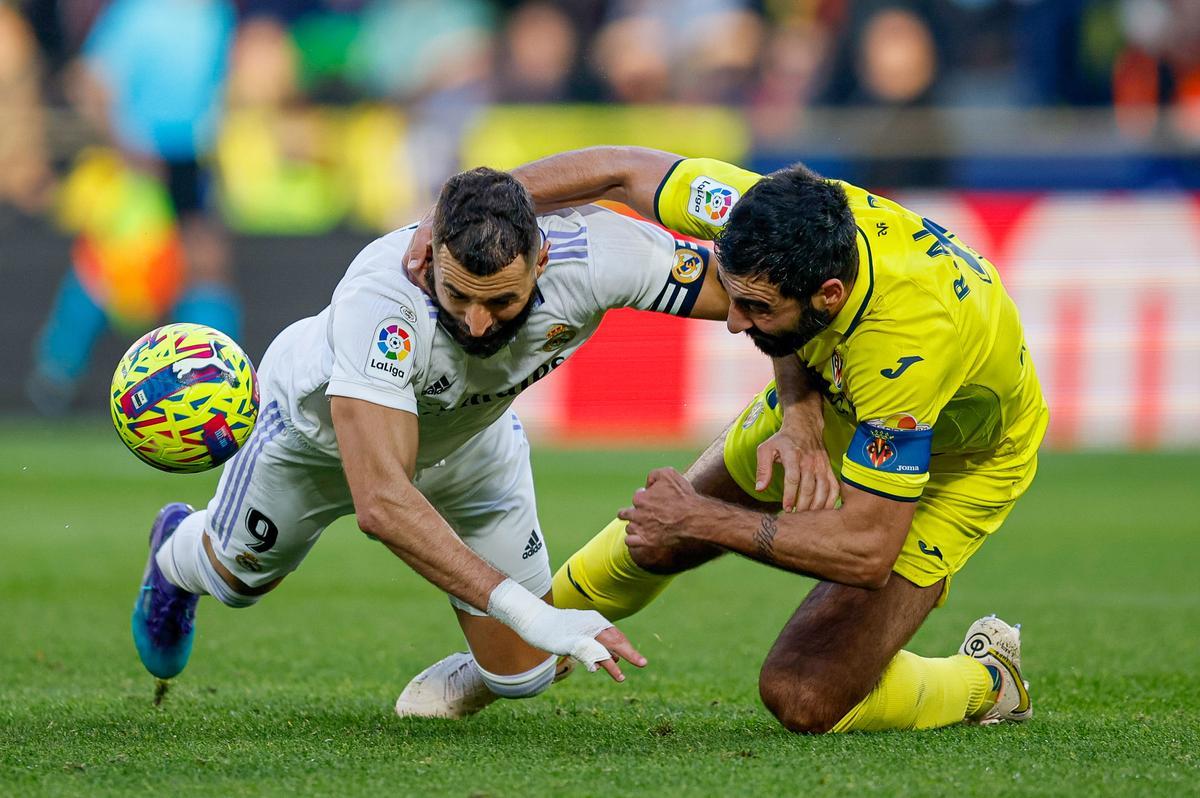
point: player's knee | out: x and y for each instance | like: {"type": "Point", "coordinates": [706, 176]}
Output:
{"type": "Point", "coordinates": [224, 586]}
{"type": "Point", "coordinates": [656, 560]}
{"type": "Point", "coordinates": [521, 685]}
{"type": "Point", "coordinates": [228, 589]}
{"type": "Point", "coordinates": [227, 594]}
{"type": "Point", "coordinates": [670, 561]}
{"type": "Point", "coordinates": [799, 704]}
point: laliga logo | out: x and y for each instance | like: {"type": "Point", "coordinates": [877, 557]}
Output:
{"type": "Point", "coordinates": [718, 202]}
{"type": "Point", "coordinates": [393, 342]}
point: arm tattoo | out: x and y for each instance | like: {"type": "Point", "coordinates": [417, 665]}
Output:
{"type": "Point", "coordinates": [764, 537]}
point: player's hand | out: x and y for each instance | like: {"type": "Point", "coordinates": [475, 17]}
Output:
{"type": "Point", "coordinates": [591, 639]}
{"type": "Point", "coordinates": [662, 513]}
{"type": "Point", "coordinates": [808, 480]}
{"type": "Point", "coordinates": [618, 645]}
{"type": "Point", "coordinates": [419, 255]}
{"type": "Point", "coordinates": [585, 635]}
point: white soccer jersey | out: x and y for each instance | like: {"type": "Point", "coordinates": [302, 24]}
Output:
{"type": "Point", "coordinates": [379, 339]}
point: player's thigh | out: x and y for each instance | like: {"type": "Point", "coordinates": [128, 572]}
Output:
{"type": "Point", "coordinates": [709, 477]}
{"type": "Point", "coordinates": [761, 419]}
{"type": "Point", "coordinates": [955, 515]}
{"type": "Point", "coordinates": [273, 500]}
{"type": "Point", "coordinates": [833, 649]}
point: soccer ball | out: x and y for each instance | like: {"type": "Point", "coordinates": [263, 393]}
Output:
{"type": "Point", "coordinates": [184, 398]}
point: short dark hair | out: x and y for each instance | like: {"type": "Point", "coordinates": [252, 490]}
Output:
{"type": "Point", "coordinates": [795, 229]}
{"type": "Point", "coordinates": [486, 219]}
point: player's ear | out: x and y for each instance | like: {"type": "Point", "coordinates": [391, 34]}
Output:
{"type": "Point", "coordinates": [830, 293]}
{"type": "Point", "coordinates": [543, 257]}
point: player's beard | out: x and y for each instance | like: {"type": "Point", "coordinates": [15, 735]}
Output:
{"type": "Point", "coordinates": [812, 322]}
{"type": "Point", "coordinates": [491, 342]}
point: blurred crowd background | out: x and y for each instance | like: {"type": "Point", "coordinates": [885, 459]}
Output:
{"type": "Point", "coordinates": [398, 93]}
{"type": "Point", "coordinates": [221, 162]}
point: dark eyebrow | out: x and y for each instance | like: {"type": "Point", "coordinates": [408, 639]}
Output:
{"type": "Point", "coordinates": [504, 298]}
{"type": "Point", "coordinates": [756, 304]}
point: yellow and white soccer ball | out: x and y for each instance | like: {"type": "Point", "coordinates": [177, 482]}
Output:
{"type": "Point", "coordinates": [184, 398]}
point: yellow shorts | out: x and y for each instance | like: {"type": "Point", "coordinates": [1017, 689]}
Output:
{"type": "Point", "coordinates": [963, 502]}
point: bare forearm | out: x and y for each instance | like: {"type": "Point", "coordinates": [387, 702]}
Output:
{"type": "Point", "coordinates": [797, 395]}
{"type": "Point", "coordinates": [623, 174]}
{"type": "Point", "coordinates": [819, 543]}
{"type": "Point", "coordinates": [379, 452]}
{"type": "Point", "coordinates": [406, 523]}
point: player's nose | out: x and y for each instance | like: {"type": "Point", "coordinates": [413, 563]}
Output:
{"type": "Point", "coordinates": [479, 320]}
{"type": "Point", "coordinates": [737, 321]}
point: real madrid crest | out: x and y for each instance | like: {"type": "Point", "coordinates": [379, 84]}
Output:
{"type": "Point", "coordinates": [557, 337]}
{"type": "Point", "coordinates": [688, 265]}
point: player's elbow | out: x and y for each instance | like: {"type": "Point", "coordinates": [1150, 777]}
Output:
{"type": "Point", "coordinates": [872, 544]}
{"type": "Point", "coordinates": [384, 509]}
{"type": "Point", "coordinates": [373, 518]}
{"type": "Point", "coordinates": [870, 566]}
{"type": "Point", "coordinates": [872, 574]}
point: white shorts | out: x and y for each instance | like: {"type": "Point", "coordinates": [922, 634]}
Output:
{"type": "Point", "coordinates": [277, 495]}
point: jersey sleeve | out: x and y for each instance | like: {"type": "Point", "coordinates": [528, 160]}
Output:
{"type": "Point", "coordinates": [899, 377]}
{"type": "Point", "coordinates": [696, 196]}
{"type": "Point", "coordinates": [635, 264]}
{"type": "Point", "coordinates": [376, 349]}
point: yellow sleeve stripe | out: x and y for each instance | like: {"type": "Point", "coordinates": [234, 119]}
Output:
{"type": "Point", "coordinates": [870, 282]}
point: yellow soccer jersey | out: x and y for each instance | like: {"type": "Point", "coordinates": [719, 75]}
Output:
{"type": "Point", "coordinates": [925, 367]}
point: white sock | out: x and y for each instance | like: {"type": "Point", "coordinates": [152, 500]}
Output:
{"type": "Point", "coordinates": [185, 564]}
{"type": "Point", "coordinates": [521, 685]}
{"type": "Point", "coordinates": [182, 556]}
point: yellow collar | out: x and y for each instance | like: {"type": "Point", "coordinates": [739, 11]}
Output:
{"type": "Point", "coordinates": [860, 294]}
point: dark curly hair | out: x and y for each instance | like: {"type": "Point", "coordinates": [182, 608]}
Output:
{"type": "Point", "coordinates": [486, 219]}
{"type": "Point", "coordinates": [795, 229]}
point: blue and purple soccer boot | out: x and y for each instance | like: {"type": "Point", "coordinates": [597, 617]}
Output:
{"type": "Point", "coordinates": [163, 615]}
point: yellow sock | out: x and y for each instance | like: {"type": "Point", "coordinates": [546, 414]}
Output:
{"type": "Point", "coordinates": [919, 693]}
{"type": "Point", "coordinates": [602, 576]}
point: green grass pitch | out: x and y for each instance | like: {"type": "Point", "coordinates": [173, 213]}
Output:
{"type": "Point", "coordinates": [1099, 562]}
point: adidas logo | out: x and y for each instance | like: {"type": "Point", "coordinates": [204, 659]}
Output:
{"type": "Point", "coordinates": [533, 546]}
{"type": "Point", "coordinates": [441, 386]}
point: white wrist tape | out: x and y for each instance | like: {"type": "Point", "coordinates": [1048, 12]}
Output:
{"type": "Point", "coordinates": [513, 605]}
{"type": "Point", "coordinates": [564, 632]}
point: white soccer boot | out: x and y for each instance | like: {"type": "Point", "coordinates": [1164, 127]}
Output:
{"type": "Point", "coordinates": [564, 668]}
{"type": "Point", "coordinates": [998, 646]}
{"type": "Point", "coordinates": [449, 688]}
